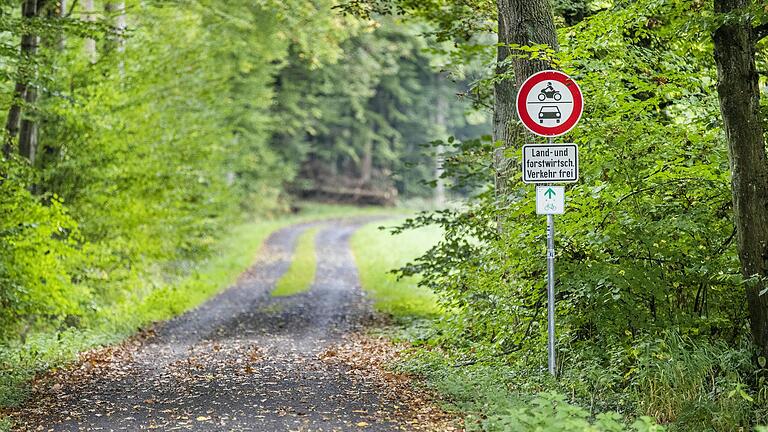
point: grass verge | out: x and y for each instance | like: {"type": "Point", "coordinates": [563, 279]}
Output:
{"type": "Point", "coordinates": [301, 274]}
{"type": "Point", "coordinates": [377, 252]}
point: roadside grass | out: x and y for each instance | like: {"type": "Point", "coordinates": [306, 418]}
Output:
{"type": "Point", "coordinates": [301, 274]}
{"type": "Point", "coordinates": [377, 252]}
{"type": "Point", "coordinates": [159, 299]}
{"type": "Point", "coordinates": [498, 397]}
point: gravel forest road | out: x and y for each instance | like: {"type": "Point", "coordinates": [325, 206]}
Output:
{"type": "Point", "coordinates": [243, 361]}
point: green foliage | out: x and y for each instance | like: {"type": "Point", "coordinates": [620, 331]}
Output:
{"type": "Point", "coordinates": [647, 242]}
{"type": "Point", "coordinates": [38, 253]}
{"type": "Point", "coordinates": [686, 385]}
{"type": "Point", "coordinates": [549, 412]}
{"type": "Point", "coordinates": [702, 386]}
{"type": "Point", "coordinates": [498, 397]}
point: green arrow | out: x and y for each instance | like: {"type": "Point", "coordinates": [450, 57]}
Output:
{"type": "Point", "coordinates": [550, 193]}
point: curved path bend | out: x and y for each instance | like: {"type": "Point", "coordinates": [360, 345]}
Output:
{"type": "Point", "coordinates": [243, 361]}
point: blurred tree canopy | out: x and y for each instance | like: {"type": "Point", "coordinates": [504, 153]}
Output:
{"type": "Point", "coordinates": [137, 132]}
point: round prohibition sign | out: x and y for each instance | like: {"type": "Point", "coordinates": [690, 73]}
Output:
{"type": "Point", "coordinates": [549, 103]}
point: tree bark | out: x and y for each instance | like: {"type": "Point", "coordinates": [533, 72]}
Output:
{"type": "Point", "coordinates": [115, 11]}
{"type": "Point", "coordinates": [13, 122]}
{"type": "Point", "coordinates": [28, 136]}
{"type": "Point", "coordinates": [61, 10]}
{"type": "Point", "coordinates": [90, 44]}
{"type": "Point", "coordinates": [24, 92]}
{"type": "Point", "coordinates": [521, 22]}
{"type": "Point", "coordinates": [441, 109]}
{"type": "Point", "coordinates": [366, 164]}
{"type": "Point", "coordinates": [739, 93]}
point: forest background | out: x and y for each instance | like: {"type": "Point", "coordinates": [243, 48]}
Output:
{"type": "Point", "coordinates": [141, 134]}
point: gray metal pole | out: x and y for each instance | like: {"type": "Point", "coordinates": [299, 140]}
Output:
{"type": "Point", "coordinates": [551, 291]}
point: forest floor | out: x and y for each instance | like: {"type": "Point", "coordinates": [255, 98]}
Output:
{"type": "Point", "coordinates": [248, 361]}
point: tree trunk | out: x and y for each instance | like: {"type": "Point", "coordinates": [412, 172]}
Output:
{"type": "Point", "coordinates": [739, 93]}
{"type": "Point", "coordinates": [24, 92]}
{"type": "Point", "coordinates": [13, 122]}
{"type": "Point", "coordinates": [521, 22]}
{"type": "Point", "coordinates": [28, 137]}
{"type": "Point", "coordinates": [366, 164]}
{"type": "Point", "coordinates": [441, 109]}
{"type": "Point", "coordinates": [62, 13]}
{"type": "Point", "coordinates": [115, 11]}
{"type": "Point", "coordinates": [90, 44]}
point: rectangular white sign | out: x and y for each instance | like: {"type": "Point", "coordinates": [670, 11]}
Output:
{"type": "Point", "coordinates": [550, 163]}
{"type": "Point", "coordinates": [550, 200]}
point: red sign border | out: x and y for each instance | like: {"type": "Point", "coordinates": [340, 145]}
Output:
{"type": "Point", "coordinates": [565, 127]}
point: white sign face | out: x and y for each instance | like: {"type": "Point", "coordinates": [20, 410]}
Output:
{"type": "Point", "coordinates": [550, 163]}
{"type": "Point", "coordinates": [550, 200]}
{"type": "Point", "coordinates": [549, 103]}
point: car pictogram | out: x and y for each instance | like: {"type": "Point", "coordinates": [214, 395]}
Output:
{"type": "Point", "coordinates": [549, 113]}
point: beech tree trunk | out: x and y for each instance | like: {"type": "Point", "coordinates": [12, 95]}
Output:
{"type": "Point", "coordinates": [13, 122]}
{"type": "Point", "coordinates": [28, 136]}
{"type": "Point", "coordinates": [366, 164]}
{"type": "Point", "coordinates": [115, 11]}
{"type": "Point", "coordinates": [61, 10]}
{"type": "Point", "coordinates": [441, 111]}
{"type": "Point", "coordinates": [90, 44]}
{"type": "Point", "coordinates": [739, 92]}
{"type": "Point", "coordinates": [521, 22]}
{"type": "Point", "coordinates": [24, 92]}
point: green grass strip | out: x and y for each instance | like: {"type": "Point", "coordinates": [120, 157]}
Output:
{"type": "Point", "coordinates": [301, 274]}
{"type": "Point", "coordinates": [378, 252]}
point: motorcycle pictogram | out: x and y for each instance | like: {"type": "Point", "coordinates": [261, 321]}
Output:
{"type": "Point", "coordinates": [549, 93]}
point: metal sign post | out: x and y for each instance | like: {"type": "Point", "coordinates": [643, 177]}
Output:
{"type": "Point", "coordinates": [550, 104]}
{"type": "Point", "coordinates": [551, 291]}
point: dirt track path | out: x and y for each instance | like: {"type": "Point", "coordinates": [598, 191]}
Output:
{"type": "Point", "coordinates": [244, 361]}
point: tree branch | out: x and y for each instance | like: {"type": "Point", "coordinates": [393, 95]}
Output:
{"type": "Point", "coordinates": [760, 32]}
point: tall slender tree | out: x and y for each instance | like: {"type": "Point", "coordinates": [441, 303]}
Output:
{"type": "Point", "coordinates": [739, 91]}
{"type": "Point", "coordinates": [88, 16]}
{"type": "Point", "coordinates": [24, 92]}
{"type": "Point", "coordinates": [115, 11]}
{"type": "Point", "coordinates": [441, 112]}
